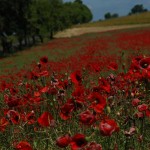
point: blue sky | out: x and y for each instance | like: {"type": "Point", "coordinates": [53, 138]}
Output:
{"type": "Point", "coordinates": [122, 7]}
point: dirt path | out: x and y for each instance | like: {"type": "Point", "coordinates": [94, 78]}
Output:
{"type": "Point", "coordinates": [78, 31]}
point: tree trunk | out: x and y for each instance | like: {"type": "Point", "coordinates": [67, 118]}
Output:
{"type": "Point", "coordinates": [25, 41]}
{"type": "Point", "coordinates": [41, 38]}
{"type": "Point", "coordinates": [5, 45]}
{"type": "Point", "coordinates": [33, 40]}
{"type": "Point", "coordinates": [20, 43]}
{"type": "Point", "coordinates": [3, 41]}
{"type": "Point", "coordinates": [25, 37]}
{"type": "Point", "coordinates": [51, 34]}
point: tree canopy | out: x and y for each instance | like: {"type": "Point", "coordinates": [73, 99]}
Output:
{"type": "Point", "coordinates": [108, 15]}
{"type": "Point", "coordinates": [27, 20]}
{"type": "Point", "coordinates": [139, 8]}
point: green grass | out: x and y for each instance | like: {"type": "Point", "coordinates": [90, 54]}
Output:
{"type": "Point", "coordinates": [143, 18]}
{"type": "Point", "coordinates": [21, 59]}
{"type": "Point", "coordinates": [56, 50]}
{"type": "Point", "coordinates": [44, 138]}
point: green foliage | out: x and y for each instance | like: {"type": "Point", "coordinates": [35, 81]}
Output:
{"type": "Point", "coordinates": [29, 19]}
{"type": "Point", "coordinates": [78, 13]}
{"type": "Point", "coordinates": [78, 1]}
{"type": "Point", "coordinates": [109, 15]}
{"type": "Point", "coordinates": [138, 9]}
{"type": "Point", "coordinates": [115, 15]}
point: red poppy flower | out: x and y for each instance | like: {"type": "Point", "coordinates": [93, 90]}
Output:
{"type": "Point", "coordinates": [135, 102]}
{"type": "Point", "coordinates": [79, 102]}
{"type": "Point", "coordinates": [87, 118]}
{"type": "Point", "coordinates": [98, 102]}
{"type": "Point", "coordinates": [3, 124]}
{"type": "Point", "coordinates": [13, 91]}
{"type": "Point", "coordinates": [11, 101]}
{"type": "Point", "coordinates": [63, 141]}
{"type": "Point", "coordinates": [13, 116]}
{"type": "Point", "coordinates": [146, 74]}
{"type": "Point", "coordinates": [135, 63]}
{"type": "Point", "coordinates": [134, 66]}
{"type": "Point", "coordinates": [37, 94]}
{"type": "Point", "coordinates": [139, 115]}
{"type": "Point", "coordinates": [79, 91]}
{"type": "Point", "coordinates": [44, 73]}
{"type": "Point", "coordinates": [137, 58]}
{"type": "Point", "coordinates": [76, 77]}
{"type": "Point", "coordinates": [35, 99]}
{"type": "Point", "coordinates": [96, 89]}
{"type": "Point", "coordinates": [145, 63]}
{"type": "Point", "coordinates": [113, 66]}
{"type": "Point", "coordinates": [66, 109]}
{"type": "Point", "coordinates": [94, 67]}
{"type": "Point", "coordinates": [52, 91]}
{"type": "Point", "coordinates": [31, 118]}
{"type": "Point", "coordinates": [23, 145]}
{"type": "Point", "coordinates": [148, 113]}
{"type": "Point", "coordinates": [104, 85]}
{"type": "Point", "coordinates": [142, 107]}
{"type": "Point", "coordinates": [33, 75]}
{"type": "Point", "coordinates": [94, 146]}
{"type": "Point", "coordinates": [44, 89]}
{"type": "Point", "coordinates": [46, 119]}
{"type": "Point", "coordinates": [108, 126]}
{"type": "Point", "coordinates": [78, 141]}
{"type": "Point", "coordinates": [44, 60]}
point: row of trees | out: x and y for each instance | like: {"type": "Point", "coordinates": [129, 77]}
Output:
{"type": "Point", "coordinates": [109, 15]}
{"type": "Point", "coordinates": [22, 22]}
{"type": "Point", "coordinates": [139, 8]}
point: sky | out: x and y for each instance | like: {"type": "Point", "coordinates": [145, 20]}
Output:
{"type": "Point", "coordinates": [122, 7]}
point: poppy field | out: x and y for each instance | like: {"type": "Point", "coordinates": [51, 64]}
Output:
{"type": "Point", "coordinates": [90, 92]}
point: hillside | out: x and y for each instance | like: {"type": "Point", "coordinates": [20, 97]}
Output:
{"type": "Point", "coordinates": [138, 20]}
{"type": "Point", "coordinates": [143, 18]}
{"type": "Point", "coordinates": [76, 31]}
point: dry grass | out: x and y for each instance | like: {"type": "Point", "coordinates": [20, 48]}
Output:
{"type": "Point", "coordinates": [76, 31]}
{"type": "Point", "coordinates": [143, 18]}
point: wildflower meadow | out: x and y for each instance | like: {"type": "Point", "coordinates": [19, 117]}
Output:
{"type": "Point", "coordinates": [90, 92]}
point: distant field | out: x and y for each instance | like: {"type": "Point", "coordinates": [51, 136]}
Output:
{"type": "Point", "coordinates": [143, 18]}
{"type": "Point", "coordinates": [69, 92]}
{"type": "Point", "coordinates": [99, 29]}
{"type": "Point", "coordinates": [63, 48]}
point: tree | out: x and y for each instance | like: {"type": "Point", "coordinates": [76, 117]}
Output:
{"type": "Point", "coordinates": [107, 15]}
{"type": "Point", "coordinates": [78, 13]}
{"type": "Point", "coordinates": [55, 16]}
{"type": "Point", "coordinates": [13, 16]}
{"type": "Point", "coordinates": [14, 20]}
{"type": "Point", "coordinates": [78, 1]}
{"type": "Point", "coordinates": [138, 9]}
{"type": "Point", "coordinates": [86, 14]}
{"type": "Point", "coordinates": [39, 18]}
{"type": "Point", "coordinates": [44, 18]}
{"type": "Point", "coordinates": [24, 20]}
{"type": "Point", "coordinates": [115, 15]}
